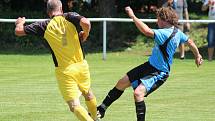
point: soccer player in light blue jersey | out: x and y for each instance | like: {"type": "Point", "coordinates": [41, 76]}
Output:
{"type": "Point", "coordinates": [147, 77]}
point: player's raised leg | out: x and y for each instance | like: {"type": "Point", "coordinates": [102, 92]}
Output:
{"type": "Point", "coordinates": [113, 95]}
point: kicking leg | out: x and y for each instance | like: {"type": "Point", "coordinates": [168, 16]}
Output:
{"type": "Point", "coordinates": [113, 95]}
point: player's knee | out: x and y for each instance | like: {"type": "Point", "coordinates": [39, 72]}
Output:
{"type": "Point", "coordinates": [71, 109]}
{"type": "Point", "coordinates": [120, 83]}
{"type": "Point", "coordinates": [139, 94]}
{"type": "Point", "coordinates": [89, 96]}
{"type": "Point", "coordinates": [73, 104]}
{"type": "Point", "coordinates": [123, 83]}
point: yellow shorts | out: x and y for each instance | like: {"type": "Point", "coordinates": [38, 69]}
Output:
{"type": "Point", "coordinates": [73, 80]}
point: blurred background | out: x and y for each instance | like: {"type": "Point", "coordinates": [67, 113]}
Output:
{"type": "Point", "coordinates": [120, 36]}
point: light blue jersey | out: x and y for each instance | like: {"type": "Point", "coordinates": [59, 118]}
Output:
{"type": "Point", "coordinates": [160, 36]}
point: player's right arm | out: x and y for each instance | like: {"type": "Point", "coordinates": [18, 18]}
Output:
{"type": "Point", "coordinates": [19, 30]}
{"type": "Point", "coordinates": [140, 25]}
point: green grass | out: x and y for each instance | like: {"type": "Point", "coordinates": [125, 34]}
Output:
{"type": "Point", "coordinates": [28, 89]}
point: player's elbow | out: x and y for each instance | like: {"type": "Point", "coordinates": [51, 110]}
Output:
{"type": "Point", "coordinates": [190, 43]}
{"type": "Point", "coordinates": [148, 33]}
{"type": "Point", "coordinates": [19, 32]}
{"type": "Point", "coordinates": [85, 23]}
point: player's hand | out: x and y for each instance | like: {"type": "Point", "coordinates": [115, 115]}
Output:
{"type": "Point", "coordinates": [83, 36]}
{"type": "Point", "coordinates": [20, 20]}
{"type": "Point", "coordinates": [129, 11]}
{"type": "Point", "coordinates": [198, 60]}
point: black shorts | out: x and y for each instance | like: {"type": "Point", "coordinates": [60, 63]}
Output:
{"type": "Point", "coordinates": [148, 75]}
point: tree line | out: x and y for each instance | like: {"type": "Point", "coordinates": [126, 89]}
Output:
{"type": "Point", "coordinates": [88, 8]}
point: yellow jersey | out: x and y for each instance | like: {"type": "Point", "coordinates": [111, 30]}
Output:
{"type": "Point", "coordinates": [61, 35]}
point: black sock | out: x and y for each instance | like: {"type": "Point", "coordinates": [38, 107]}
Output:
{"type": "Point", "coordinates": [113, 95]}
{"type": "Point", "coordinates": [140, 110]}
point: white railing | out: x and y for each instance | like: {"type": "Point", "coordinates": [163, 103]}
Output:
{"type": "Point", "coordinates": [105, 20]}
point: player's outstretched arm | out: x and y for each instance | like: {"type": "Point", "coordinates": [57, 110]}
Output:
{"type": "Point", "coordinates": [194, 49]}
{"type": "Point", "coordinates": [19, 30]}
{"type": "Point", "coordinates": [140, 25]}
{"type": "Point", "coordinates": [86, 26]}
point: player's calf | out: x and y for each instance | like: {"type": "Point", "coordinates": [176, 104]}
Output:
{"type": "Point", "coordinates": [112, 96]}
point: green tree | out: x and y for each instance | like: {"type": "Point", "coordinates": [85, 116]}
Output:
{"type": "Point", "coordinates": [107, 10]}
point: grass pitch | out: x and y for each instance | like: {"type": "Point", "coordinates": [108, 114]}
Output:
{"type": "Point", "coordinates": [28, 89]}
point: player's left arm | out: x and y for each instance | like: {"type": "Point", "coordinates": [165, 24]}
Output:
{"type": "Point", "coordinates": [86, 27]}
{"type": "Point", "coordinates": [194, 49]}
{"type": "Point", "coordinates": [140, 25]}
{"type": "Point", "coordinates": [19, 29]}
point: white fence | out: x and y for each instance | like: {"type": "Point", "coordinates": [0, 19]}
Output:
{"type": "Point", "coordinates": [105, 20]}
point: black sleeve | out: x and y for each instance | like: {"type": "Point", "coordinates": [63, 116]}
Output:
{"type": "Point", "coordinates": [73, 17]}
{"type": "Point", "coordinates": [37, 28]}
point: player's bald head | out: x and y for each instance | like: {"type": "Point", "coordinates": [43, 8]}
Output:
{"type": "Point", "coordinates": [54, 5]}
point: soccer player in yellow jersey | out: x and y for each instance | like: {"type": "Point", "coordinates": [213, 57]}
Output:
{"type": "Point", "coordinates": [64, 41]}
